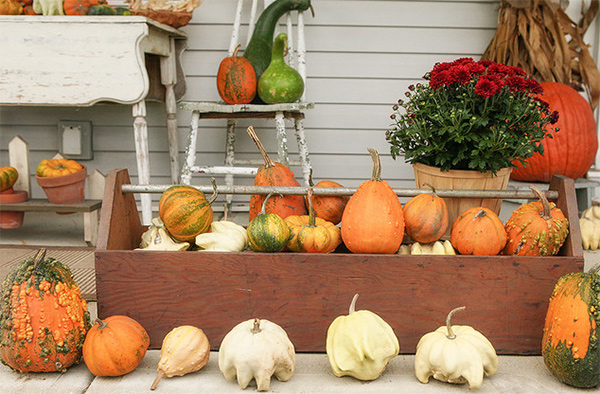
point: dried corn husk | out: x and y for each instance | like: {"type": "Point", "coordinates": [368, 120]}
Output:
{"type": "Point", "coordinates": [539, 37]}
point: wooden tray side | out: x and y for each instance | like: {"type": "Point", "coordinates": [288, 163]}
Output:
{"type": "Point", "coordinates": [506, 297]}
{"type": "Point", "coordinates": [120, 225]}
{"type": "Point", "coordinates": [567, 202]}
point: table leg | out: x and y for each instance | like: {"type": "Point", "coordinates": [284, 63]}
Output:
{"type": "Point", "coordinates": [140, 129]}
{"type": "Point", "coordinates": [90, 227]}
{"type": "Point", "coordinates": [168, 77]}
{"type": "Point", "coordinates": [282, 149]}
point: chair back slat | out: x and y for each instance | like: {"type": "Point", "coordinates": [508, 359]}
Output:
{"type": "Point", "coordinates": [235, 33]}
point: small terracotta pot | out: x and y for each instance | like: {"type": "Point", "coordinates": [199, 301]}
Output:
{"type": "Point", "coordinates": [11, 219]}
{"type": "Point", "coordinates": [64, 189]}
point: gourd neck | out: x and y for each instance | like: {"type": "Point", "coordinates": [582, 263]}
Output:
{"type": "Point", "coordinates": [376, 165]}
{"type": "Point", "coordinates": [352, 308]}
{"type": "Point", "coordinates": [451, 334]}
{"type": "Point", "coordinates": [545, 214]}
{"type": "Point", "coordinates": [279, 47]}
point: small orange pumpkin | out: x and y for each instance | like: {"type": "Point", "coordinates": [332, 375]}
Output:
{"type": "Point", "coordinates": [373, 221]}
{"type": "Point", "coordinates": [115, 346]}
{"type": "Point", "coordinates": [311, 234]}
{"type": "Point", "coordinates": [8, 177]}
{"type": "Point", "coordinates": [10, 7]}
{"type": "Point", "coordinates": [478, 231]}
{"type": "Point", "coordinates": [426, 217]}
{"type": "Point", "coordinates": [274, 174]}
{"type": "Point", "coordinates": [236, 79]}
{"type": "Point", "coordinates": [57, 167]}
{"type": "Point", "coordinates": [79, 7]}
{"type": "Point", "coordinates": [536, 228]}
{"type": "Point", "coordinates": [329, 208]}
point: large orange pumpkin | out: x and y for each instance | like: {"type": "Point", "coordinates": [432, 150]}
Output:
{"type": "Point", "coordinates": [236, 79]}
{"type": "Point", "coordinates": [536, 228]}
{"type": "Point", "coordinates": [185, 212]}
{"type": "Point", "coordinates": [426, 217]}
{"type": "Point", "coordinates": [274, 174]}
{"type": "Point", "coordinates": [478, 231]}
{"type": "Point", "coordinates": [572, 150]}
{"type": "Point", "coordinates": [43, 319]}
{"type": "Point", "coordinates": [373, 221]}
{"type": "Point", "coordinates": [115, 346]}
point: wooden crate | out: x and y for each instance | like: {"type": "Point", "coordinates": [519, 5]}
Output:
{"type": "Point", "coordinates": [506, 297]}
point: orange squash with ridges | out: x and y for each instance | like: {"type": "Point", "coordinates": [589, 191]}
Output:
{"type": "Point", "coordinates": [426, 217]}
{"type": "Point", "coordinates": [185, 212]}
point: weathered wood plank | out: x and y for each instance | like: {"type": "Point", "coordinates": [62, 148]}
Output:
{"type": "Point", "coordinates": [41, 205]}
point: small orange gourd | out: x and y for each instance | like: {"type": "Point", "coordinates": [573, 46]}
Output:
{"type": "Point", "coordinates": [236, 79]}
{"type": "Point", "coordinates": [426, 217]}
{"type": "Point", "coordinates": [329, 208]}
{"type": "Point", "coordinates": [373, 221]}
{"type": "Point", "coordinates": [274, 174]}
{"type": "Point", "coordinates": [478, 231]}
{"type": "Point", "coordinates": [115, 346]}
{"type": "Point", "coordinates": [536, 228]}
{"type": "Point", "coordinates": [311, 234]}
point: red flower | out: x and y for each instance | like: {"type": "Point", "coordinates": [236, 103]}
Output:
{"type": "Point", "coordinates": [488, 85]}
{"type": "Point", "coordinates": [554, 117]}
{"type": "Point", "coordinates": [533, 86]}
{"type": "Point", "coordinates": [516, 84]}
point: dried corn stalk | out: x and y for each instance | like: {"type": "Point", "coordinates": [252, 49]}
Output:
{"type": "Point", "coordinates": [165, 5]}
{"type": "Point", "coordinates": [539, 37]}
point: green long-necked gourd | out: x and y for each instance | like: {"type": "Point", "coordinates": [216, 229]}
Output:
{"type": "Point", "coordinates": [280, 83]}
{"type": "Point", "coordinates": [259, 49]}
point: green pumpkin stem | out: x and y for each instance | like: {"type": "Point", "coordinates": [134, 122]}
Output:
{"type": "Point", "coordinates": [545, 214]}
{"type": "Point", "coordinates": [101, 324]}
{"type": "Point", "coordinates": [451, 334]}
{"type": "Point", "coordinates": [481, 213]}
{"type": "Point", "coordinates": [594, 269]}
{"type": "Point", "coordinates": [376, 165]}
{"type": "Point", "coordinates": [352, 308]}
{"type": "Point", "coordinates": [39, 257]}
{"type": "Point", "coordinates": [268, 162]}
{"type": "Point", "coordinates": [264, 204]}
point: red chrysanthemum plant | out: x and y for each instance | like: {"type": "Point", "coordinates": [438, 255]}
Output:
{"type": "Point", "coordinates": [472, 115]}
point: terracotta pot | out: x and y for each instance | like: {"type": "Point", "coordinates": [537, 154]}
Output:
{"type": "Point", "coordinates": [463, 179]}
{"type": "Point", "coordinates": [64, 189]}
{"type": "Point", "coordinates": [11, 219]}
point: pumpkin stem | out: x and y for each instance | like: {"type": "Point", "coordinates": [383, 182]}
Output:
{"type": "Point", "coordinates": [235, 52]}
{"type": "Point", "coordinates": [264, 204]}
{"type": "Point", "coordinates": [309, 196]}
{"type": "Point", "coordinates": [225, 212]}
{"type": "Point", "coordinates": [376, 164]}
{"type": "Point", "coordinates": [594, 269]}
{"type": "Point", "coordinates": [451, 334]}
{"type": "Point", "coordinates": [429, 185]}
{"type": "Point", "coordinates": [256, 327]}
{"type": "Point", "coordinates": [161, 374]}
{"type": "Point", "coordinates": [480, 214]}
{"type": "Point", "coordinates": [545, 214]}
{"type": "Point", "coordinates": [100, 324]}
{"type": "Point", "coordinates": [39, 257]}
{"type": "Point", "coordinates": [352, 308]}
{"type": "Point", "coordinates": [215, 192]}
{"type": "Point", "coordinates": [268, 162]}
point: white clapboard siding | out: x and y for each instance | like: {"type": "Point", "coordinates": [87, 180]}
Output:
{"type": "Point", "coordinates": [361, 57]}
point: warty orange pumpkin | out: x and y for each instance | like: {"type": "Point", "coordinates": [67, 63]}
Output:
{"type": "Point", "coordinates": [478, 231]}
{"type": "Point", "coordinates": [274, 174]}
{"type": "Point", "coordinates": [536, 228]}
{"type": "Point", "coordinates": [373, 221]}
{"type": "Point", "coordinates": [43, 319]}
{"type": "Point", "coordinates": [426, 217]}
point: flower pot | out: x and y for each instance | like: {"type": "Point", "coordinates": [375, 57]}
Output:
{"type": "Point", "coordinates": [11, 219]}
{"type": "Point", "coordinates": [463, 179]}
{"type": "Point", "coordinates": [64, 189]}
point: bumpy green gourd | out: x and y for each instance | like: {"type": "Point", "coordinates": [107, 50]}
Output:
{"type": "Point", "coordinates": [259, 49]}
{"type": "Point", "coordinates": [280, 83]}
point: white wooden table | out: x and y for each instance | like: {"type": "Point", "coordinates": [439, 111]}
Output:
{"type": "Point", "coordinates": [83, 60]}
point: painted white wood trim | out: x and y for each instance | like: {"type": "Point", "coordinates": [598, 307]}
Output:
{"type": "Point", "coordinates": [18, 155]}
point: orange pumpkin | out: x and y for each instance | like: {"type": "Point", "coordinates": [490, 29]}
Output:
{"type": "Point", "coordinates": [9, 7]}
{"type": "Point", "coordinates": [478, 231]}
{"type": "Point", "coordinates": [236, 79]}
{"type": "Point", "coordinates": [426, 217]}
{"type": "Point", "coordinates": [311, 234]}
{"type": "Point", "coordinates": [79, 7]}
{"type": "Point", "coordinates": [115, 346]}
{"type": "Point", "coordinates": [186, 212]}
{"type": "Point", "coordinates": [572, 150]}
{"type": "Point", "coordinates": [373, 221]}
{"type": "Point", "coordinates": [274, 174]}
{"type": "Point", "coordinates": [57, 167]}
{"type": "Point", "coordinates": [43, 319]}
{"type": "Point", "coordinates": [329, 208]}
{"type": "Point", "coordinates": [536, 228]}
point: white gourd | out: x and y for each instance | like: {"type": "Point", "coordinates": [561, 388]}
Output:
{"type": "Point", "coordinates": [437, 247]}
{"type": "Point", "coordinates": [224, 236]}
{"type": "Point", "coordinates": [158, 238]}
{"type": "Point", "coordinates": [455, 354]}
{"type": "Point", "coordinates": [590, 233]}
{"type": "Point", "coordinates": [257, 349]}
{"type": "Point", "coordinates": [592, 212]}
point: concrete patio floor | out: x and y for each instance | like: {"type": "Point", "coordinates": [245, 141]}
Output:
{"type": "Point", "coordinates": [313, 374]}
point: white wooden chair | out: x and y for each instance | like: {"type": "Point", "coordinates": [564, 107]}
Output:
{"type": "Point", "coordinates": [279, 112]}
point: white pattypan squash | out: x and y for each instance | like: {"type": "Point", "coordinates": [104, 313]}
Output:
{"type": "Point", "coordinates": [158, 238]}
{"type": "Point", "coordinates": [437, 247]}
{"type": "Point", "coordinates": [360, 344]}
{"type": "Point", "coordinates": [455, 354]}
{"type": "Point", "coordinates": [592, 212]}
{"type": "Point", "coordinates": [590, 232]}
{"type": "Point", "coordinates": [257, 349]}
{"type": "Point", "coordinates": [224, 236]}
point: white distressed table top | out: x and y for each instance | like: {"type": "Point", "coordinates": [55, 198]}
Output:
{"type": "Point", "coordinates": [78, 60]}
